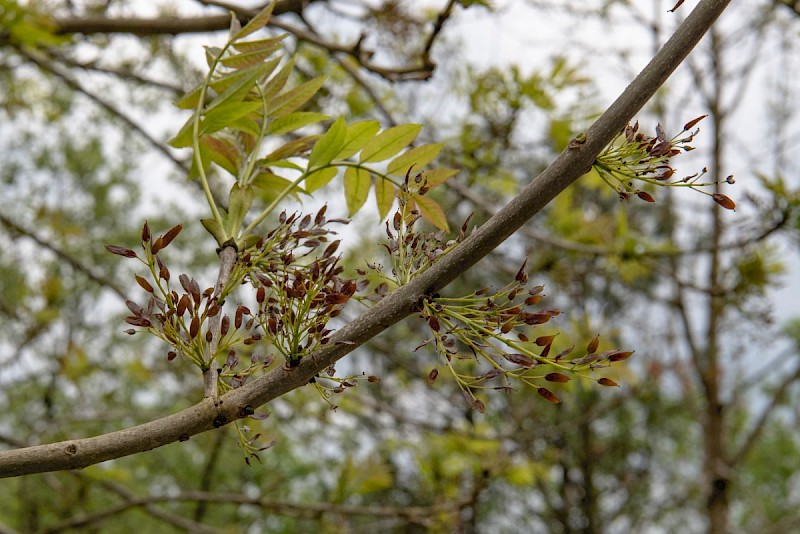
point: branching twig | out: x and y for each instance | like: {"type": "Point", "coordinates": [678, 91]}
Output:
{"type": "Point", "coordinates": [238, 403]}
{"type": "Point", "coordinates": [75, 263]}
{"type": "Point", "coordinates": [43, 63]}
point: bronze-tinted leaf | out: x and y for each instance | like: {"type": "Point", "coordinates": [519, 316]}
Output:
{"type": "Point", "coordinates": [121, 251]}
{"type": "Point", "coordinates": [533, 299]}
{"type": "Point", "coordinates": [724, 201]}
{"type": "Point", "coordinates": [134, 308]}
{"type": "Point", "coordinates": [556, 377]}
{"type": "Point", "coordinates": [607, 382]}
{"type": "Point", "coordinates": [548, 395]}
{"type": "Point", "coordinates": [522, 276]}
{"type": "Point", "coordinates": [506, 328]}
{"type": "Point", "coordinates": [145, 233]}
{"type": "Point", "coordinates": [156, 247]}
{"type": "Point", "coordinates": [536, 318]}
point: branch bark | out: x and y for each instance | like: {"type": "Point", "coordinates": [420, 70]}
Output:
{"type": "Point", "coordinates": [208, 414]}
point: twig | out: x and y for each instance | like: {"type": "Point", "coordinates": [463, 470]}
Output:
{"type": "Point", "coordinates": [42, 62]}
{"type": "Point", "coordinates": [238, 403]}
{"type": "Point", "coordinates": [227, 259]}
{"type": "Point", "coordinates": [75, 263]}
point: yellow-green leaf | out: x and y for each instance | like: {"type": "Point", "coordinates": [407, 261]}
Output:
{"type": "Point", "coordinates": [239, 202]}
{"type": "Point", "coordinates": [293, 121]}
{"type": "Point", "coordinates": [271, 185]}
{"type": "Point", "coordinates": [222, 83]}
{"type": "Point", "coordinates": [434, 177]}
{"type": "Point", "coordinates": [274, 85]}
{"type": "Point", "coordinates": [224, 115]}
{"type": "Point", "coordinates": [319, 178]}
{"type": "Point", "coordinates": [431, 211]}
{"type": "Point", "coordinates": [295, 98]}
{"type": "Point", "coordinates": [247, 59]}
{"type": "Point", "coordinates": [384, 196]}
{"type": "Point", "coordinates": [418, 156]}
{"type": "Point", "coordinates": [389, 142]}
{"type": "Point", "coordinates": [215, 229]}
{"type": "Point", "coordinates": [256, 23]}
{"type": "Point", "coordinates": [358, 135]}
{"type": "Point", "coordinates": [260, 44]}
{"type": "Point", "coordinates": [292, 148]}
{"type": "Point", "coordinates": [357, 182]}
{"type": "Point", "coordinates": [328, 146]}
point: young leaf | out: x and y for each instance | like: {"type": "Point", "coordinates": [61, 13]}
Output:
{"type": "Point", "coordinates": [223, 153]}
{"type": "Point", "coordinates": [237, 91]}
{"type": "Point", "coordinates": [292, 148]}
{"type": "Point", "coordinates": [215, 229]}
{"type": "Point", "coordinates": [223, 115]}
{"type": "Point", "coordinates": [431, 211]}
{"type": "Point", "coordinates": [435, 177]}
{"type": "Point", "coordinates": [418, 156]}
{"type": "Point", "coordinates": [274, 85]}
{"type": "Point", "coordinates": [384, 196]}
{"type": "Point", "coordinates": [270, 185]}
{"type": "Point", "coordinates": [328, 146]}
{"type": "Point", "coordinates": [389, 142]}
{"type": "Point", "coordinates": [184, 136]}
{"type": "Point", "coordinates": [247, 59]}
{"type": "Point", "coordinates": [239, 202]}
{"type": "Point", "coordinates": [260, 44]}
{"type": "Point", "coordinates": [222, 83]}
{"type": "Point", "coordinates": [295, 97]}
{"type": "Point", "coordinates": [319, 178]}
{"type": "Point", "coordinates": [256, 23]}
{"type": "Point", "coordinates": [293, 121]}
{"type": "Point", "coordinates": [356, 188]}
{"type": "Point", "coordinates": [358, 135]}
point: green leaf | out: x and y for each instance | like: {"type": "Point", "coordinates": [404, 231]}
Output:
{"type": "Point", "coordinates": [295, 97]}
{"type": "Point", "coordinates": [220, 84]}
{"type": "Point", "coordinates": [292, 148]}
{"type": "Point", "coordinates": [260, 44]}
{"type": "Point", "coordinates": [256, 23]}
{"type": "Point", "coordinates": [329, 145]}
{"type": "Point", "coordinates": [431, 211]}
{"type": "Point", "coordinates": [239, 202]}
{"type": "Point", "coordinates": [319, 178]}
{"type": "Point", "coordinates": [417, 156]}
{"type": "Point", "coordinates": [215, 229]}
{"type": "Point", "coordinates": [247, 59]}
{"type": "Point", "coordinates": [434, 177]}
{"type": "Point", "coordinates": [223, 153]}
{"type": "Point", "coordinates": [357, 182]}
{"type": "Point", "coordinates": [389, 142]}
{"type": "Point", "coordinates": [293, 121]}
{"type": "Point", "coordinates": [271, 185]}
{"type": "Point", "coordinates": [274, 85]}
{"type": "Point", "coordinates": [225, 114]}
{"type": "Point", "coordinates": [184, 136]}
{"type": "Point", "coordinates": [358, 135]}
{"type": "Point", "coordinates": [384, 196]}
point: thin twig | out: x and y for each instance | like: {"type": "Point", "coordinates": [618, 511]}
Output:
{"type": "Point", "coordinates": [75, 263]}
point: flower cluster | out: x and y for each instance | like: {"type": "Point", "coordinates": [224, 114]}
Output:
{"type": "Point", "coordinates": [636, 157]}
{"type": "Point", "coordinates": [489, 328]}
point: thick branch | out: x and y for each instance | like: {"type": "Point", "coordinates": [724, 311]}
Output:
{"type": "Point", "coordinates": [567, 168]}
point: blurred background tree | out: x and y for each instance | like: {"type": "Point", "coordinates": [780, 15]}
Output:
{"type": "Point", "coordinates": [701, 437]}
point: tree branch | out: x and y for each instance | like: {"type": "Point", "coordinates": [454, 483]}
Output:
{"type": "Point", "coordinates": [166, 25]}
{"type": "Point", "coordinates": [567, 168]}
